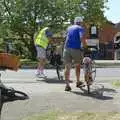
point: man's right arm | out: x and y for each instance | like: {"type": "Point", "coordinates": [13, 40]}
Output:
{"type": "Point", "coordinates": [81, 34]}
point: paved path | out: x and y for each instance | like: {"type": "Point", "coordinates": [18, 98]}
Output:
{"type": "Point", "coordinates": [47, 95]}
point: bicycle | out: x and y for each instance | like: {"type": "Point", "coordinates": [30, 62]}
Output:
{"type": "Point", "coordinates": [89, 72]}
{"type": "Point", "coordinates": [55, 60]}
{"type": "Point", "coordinates": [89, 67]}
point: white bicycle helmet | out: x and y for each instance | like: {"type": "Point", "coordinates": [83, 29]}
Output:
{"type": "Point", "coordinates": [78, 20]}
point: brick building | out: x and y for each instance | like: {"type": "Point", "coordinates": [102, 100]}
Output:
{"type": "Point", "coordinates": [106, 36]}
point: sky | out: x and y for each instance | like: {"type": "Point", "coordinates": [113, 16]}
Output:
{"type": "Point", "coordinates": [113, 13]}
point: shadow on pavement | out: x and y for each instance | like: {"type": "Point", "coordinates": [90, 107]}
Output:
{"type": "Point", "coordinates": [95, 94]}
{"type": "Point", "coordinates": [110, 90]}
{"type": "Point", "coordinates": [53, 81]}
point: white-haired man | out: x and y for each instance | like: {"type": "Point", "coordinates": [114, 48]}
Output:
{"type": "Point", "coordinates": [72, 51]}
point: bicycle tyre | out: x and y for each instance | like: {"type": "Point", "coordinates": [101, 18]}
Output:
{"type": "Point", "coordinates": [88, 88]}
{"type": "Point", "coordinates": [93, 70]}
{"type": "Point", "coordinates": [58, 73]}
{"type": "Point", "coordinates": [58, 69]}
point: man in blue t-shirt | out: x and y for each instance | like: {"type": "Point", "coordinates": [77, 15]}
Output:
{"type": "Point", "coordinates": [72, 51]}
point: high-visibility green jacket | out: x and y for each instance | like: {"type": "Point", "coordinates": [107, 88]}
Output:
{"type": "Point", "coordinates": [41, 39]}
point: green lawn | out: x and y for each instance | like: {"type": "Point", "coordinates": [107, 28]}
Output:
{"type": "Point", "coordinates": [76, 116]}
{"type": "Point", "coordinates": [116, 84]}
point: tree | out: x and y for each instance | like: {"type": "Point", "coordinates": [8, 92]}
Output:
{"type": "Point", "coordinates": [19, 17]}
{"type": "Point", "coordinates": [94, 11]}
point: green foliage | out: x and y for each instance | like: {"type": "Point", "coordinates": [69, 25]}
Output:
{"type": "Point", "coordinates": [76, 116]}
{"type": "Point", "coordinates": [18, 18]}
{"type": "Point", "coordinates": [116, 84]}
{"type": "Point", "coordinates": [94, 11]}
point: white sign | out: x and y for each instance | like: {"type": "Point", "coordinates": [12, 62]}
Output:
{"type": "Point", "coordinates": [93, 30]}
{"type": "Point", "coordinates": [92, 42]}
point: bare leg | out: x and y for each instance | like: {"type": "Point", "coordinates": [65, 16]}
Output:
{"type": "Point", "coordinates": [77, 71]}
{"type": "Point", "coordinates": [67, 74]}
{"type": "Point", "coordinates": [67, 77]}
{"type": "Point", "coordinates": [41, 64]}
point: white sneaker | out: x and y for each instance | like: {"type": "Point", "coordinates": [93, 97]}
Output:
{"type": "Point", "coordinates": [42, 75]}
{"type": "Point", "coordinates": [37, 74]}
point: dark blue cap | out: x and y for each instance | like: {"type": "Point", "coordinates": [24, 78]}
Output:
{"type": "Point", "coordinates": [48, 33]}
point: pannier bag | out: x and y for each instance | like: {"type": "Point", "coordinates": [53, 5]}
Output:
{"type": "Point", "coordinates": [9, 61]}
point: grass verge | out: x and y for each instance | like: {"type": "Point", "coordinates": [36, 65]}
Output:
{"type": "Point", "coordinates": [76, 116]}
{"type": "Point", "coordinates": [116, 84]}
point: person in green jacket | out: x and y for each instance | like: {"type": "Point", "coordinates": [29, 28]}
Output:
{"type": "Point", "coordinates": [41, 42]}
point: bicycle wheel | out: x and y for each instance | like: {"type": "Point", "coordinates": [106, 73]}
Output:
{"type": "Point", "coordinates": [59, 72]}
{"type": "Point", "coordinates": [88, 88]}
{"type": "Point", "coordinates": [93, 70]}
{"type": "Point", "coordinates": [93, 75]}
{"type": "Point", "coordinates": [87, 80]}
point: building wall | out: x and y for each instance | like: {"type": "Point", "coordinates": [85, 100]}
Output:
{"type": "Point", "coordinates": [106, 40]}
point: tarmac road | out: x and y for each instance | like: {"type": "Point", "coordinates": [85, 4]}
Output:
{"type": "Point", "coordinates": [49, 94]}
